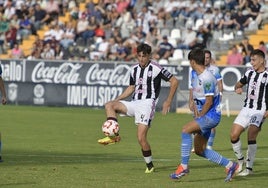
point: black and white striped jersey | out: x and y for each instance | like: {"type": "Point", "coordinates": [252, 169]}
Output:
{"type": "Point", "coordinates": [257, 89]}
{"type": "Point", "coordinates": [147, 80]}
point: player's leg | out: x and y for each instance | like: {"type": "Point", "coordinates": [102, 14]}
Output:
{"type": "Point", "coordinates": [142, 131]}
{"type": "Point", "coordinates": [236, 131]}
{"type": "Point", "coordinates": [186, 145]}
{"type": "Point", "coordinates": [213, 156]}
{"type": "Point", "coordinates": [239, 126]}
{"type": "Point", "coordinates": [111, 109]}
{"type": "Point", "coordinates": [211, 138]}
{"type": "Point", "coordinates": [0, 148]}
{"type": "Point", "coordinates": [252, 149]}
{"type": "Point", "coordinates": [144, 114]}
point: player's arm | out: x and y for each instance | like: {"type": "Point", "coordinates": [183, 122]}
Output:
{"type": "Point", "coordinates": [238, 88]}
{"type": "Point", "coordinates": [173, 87]}
{"type": "Point", "coordinates": [3, 91]}
{"type": "Point", "coordinates": [191, 100]}
{"type": "Point", "coordinates": [220, 86]}
{"type": "Point", "coordinates": [127, 92]}
{"type": "Point", "coordinates": [192, 105]}
{"type": "Point", "coordinates": [206, 106]}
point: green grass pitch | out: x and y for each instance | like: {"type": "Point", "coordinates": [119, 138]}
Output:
{"type": "Point", "coordinates": [57, 147]}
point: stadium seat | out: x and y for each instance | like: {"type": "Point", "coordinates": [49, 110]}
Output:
{"type": "Point", "coordinates": [164, 32]}
{"type": "Point", "coordinates": [175, 34]}
{"type": "Point", "coordinates": [198, 23]}
{"type": "Point", "coordinates": [163, 61]}
{"type": "Point", "coordinates": [173, 42]}
{"type": "Point", "coordinates": [177, 56]}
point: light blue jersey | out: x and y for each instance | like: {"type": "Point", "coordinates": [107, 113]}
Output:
{"type": "Point", "coordinates": [204, 85]}
{"type": "Point", "coordinates": [215, 71]}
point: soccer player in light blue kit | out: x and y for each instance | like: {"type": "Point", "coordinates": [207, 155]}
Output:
{"type": "Point", "coordinates": [216, 72]}
{"type": "Point", "coordinates": [3, 101]}
{"type": "Point", "coordinates": [206, 108]}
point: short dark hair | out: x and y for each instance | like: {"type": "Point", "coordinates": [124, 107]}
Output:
{"type": "Point", "coordinates": [208, 52]}
{"type": "Point", "coordinates": [197, 55]}
{"type": "Point", "coordinates": [145, 48]}
{"type": "Point", "coordinates": [258, 52]}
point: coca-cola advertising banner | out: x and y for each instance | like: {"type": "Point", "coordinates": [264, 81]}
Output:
{"type": "Point", "coordinates": [57, 83]}
{"type": "Point", "coordinates": [92, 84]}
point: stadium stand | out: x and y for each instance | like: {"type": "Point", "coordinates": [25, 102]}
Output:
{"type": "Point", "coordinates": [128, 22]}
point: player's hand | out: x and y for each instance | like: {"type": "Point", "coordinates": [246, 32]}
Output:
{"type": "Point", "coordinates": [4, 100]}
{"type": "Point", "coordinates": [239, 91]}
{"type": "Point", "coordinates": [266, 114]}
{"type": "Point", "coordinates": [191, 105]}
{"type": "Point", "coordinates": [166, 108]}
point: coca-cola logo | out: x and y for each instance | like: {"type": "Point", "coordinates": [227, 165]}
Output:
{"type": "Point", "coordinates": [66, 73]}
{"type": "Point", "coordinates": [118, 76]}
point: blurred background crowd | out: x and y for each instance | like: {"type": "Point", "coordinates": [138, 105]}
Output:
{"type": "Point", "coordinates": [110, 30]}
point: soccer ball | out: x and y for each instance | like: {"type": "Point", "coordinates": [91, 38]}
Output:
{"type": "Point", "coordinates": [110, 128]}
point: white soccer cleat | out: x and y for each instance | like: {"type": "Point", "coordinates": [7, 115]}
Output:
{"type": "Point", "coordinates": [240, 163]}
{"type": "Point", "coordinates": [245, 172]}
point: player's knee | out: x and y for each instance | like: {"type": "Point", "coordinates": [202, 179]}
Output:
{"type": "Point", "coordinates": [109, 105]}
{"type": "Point", "coordinates": [234, 137]}
{"type": "Point", "coordinates": [199, 151]}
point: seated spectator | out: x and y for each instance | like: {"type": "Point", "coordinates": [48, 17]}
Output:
{"type": "Point", "coordinates": [15, 21]}
{"type": "Point", "coordinates": [59, 53]}
{"type": "Point", "coordinates": [41, 17]}
{"type": "Point", "coordinates": [16, 52]}
{"type": "Point", "coordinates": [248, 49]}
{"type": "Point", "coordinates": [112, 50]}
{"type": "Point", "coordinates": [9, 10]}
{"type": "Point", "coordinates": [11, 36]}
{"type": "Point", "coordinates": [101, 51]}
{"type": "Point", "coordinates": [81, 26]}
{"type": "Point", "coordinates": [68, 36]}
{"type": "Point", "coordinates": [165, 49]}
{"type": "Point", "coordinates": [241, 21]}
{"type": "Point", "coordinates": [188, 39]}
{"type": "Point", "coordinates": [122, 51]}
{"type": "Point", "coordinates": [22, 10]}
{"type": "Point", "coordinates": [227, 22]}
{"type": "Point", "coordinates": [58, 32]}
{"type": "Point", "coordinates": [152, 38]}
{"type": "Point", "coordinates": [48, 52]}
{"type": "Point", "coordinates": [234, 58]}
{"type": "Point", "coordinates": [131, 46]}
{"type": "Point", "coordinates": [49, 33]}
{"type": "Point", "coordinates": [254, 8]}
{"type": "Point", "coordinates": [25, 27]}
{"type": "Point", "coordinates": [52, 8]}
{"type": "Point", "coordinates": [263, 48]}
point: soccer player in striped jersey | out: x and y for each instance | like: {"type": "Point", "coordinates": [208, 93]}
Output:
{"type": "Point", "coordinates": [145, 85]}
{"type": "Point", "coordinates": [3, 101]}
{"type": "Point", "coordinates": [207, 112]}
{"type": "Point", "coordinates": [253, 112]}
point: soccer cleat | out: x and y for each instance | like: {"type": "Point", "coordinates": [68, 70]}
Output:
{"type": "Point", "coordinates": [109, 140]}
{"type": "Point", "coordinates": [1, 159]}
{"type": "Point", "coordinates": [240, 163]}
{"type": "Point", "coordinates": [193, 151]}
{"type": "Point", "coordinates": [179, 173]}
{"type": "Point", "coordinates": [147, 171]}
{"type": "Point", "coordinates": [231, 172]}
{"type": "Point", "coordinates": [245, 172]}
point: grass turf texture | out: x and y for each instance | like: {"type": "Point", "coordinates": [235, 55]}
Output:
{"type": "Point", "coordinates": [57, 147]}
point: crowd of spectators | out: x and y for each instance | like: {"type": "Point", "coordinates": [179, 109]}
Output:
{"type": "Point", "coordinates": [112, 29]}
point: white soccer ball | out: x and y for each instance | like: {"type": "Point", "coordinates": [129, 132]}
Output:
{"type": "Point", "coordinates": [110, 128]}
